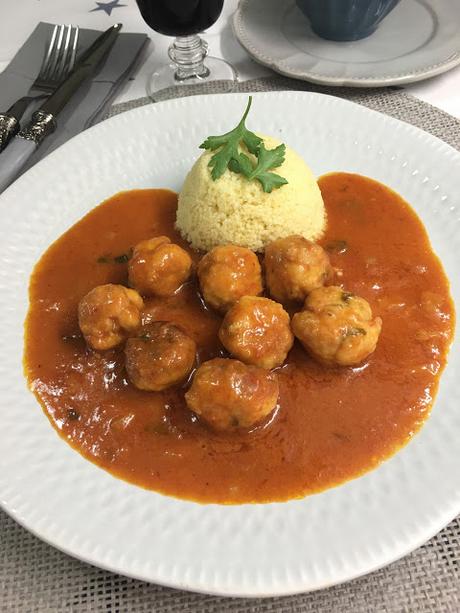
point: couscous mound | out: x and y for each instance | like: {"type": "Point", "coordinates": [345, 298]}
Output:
{"type": "Point", "coordinates": [235, 210]}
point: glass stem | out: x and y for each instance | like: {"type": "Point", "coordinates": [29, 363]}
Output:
{"type": "Point", "coordinates": [188, 54]}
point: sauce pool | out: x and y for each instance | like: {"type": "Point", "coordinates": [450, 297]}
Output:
{"type": "Point", "coordinates": [331, 425]}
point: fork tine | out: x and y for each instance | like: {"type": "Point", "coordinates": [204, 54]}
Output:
{"type": "Point", "coordinates": [56, 53]}
{"type": "Point", "coordinates": [73, 55]}
{"type": "Point", "coordinates": [70, 55]}
{"type": "Point", "coordinates": [47, 59]}
{"type": "Point", "coordinates": [63, 56]}
{"type": "Point", "coordinates": [59, 58]}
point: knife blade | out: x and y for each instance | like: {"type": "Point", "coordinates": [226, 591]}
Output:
{"type": "Point", "coordinates": [43, 121]}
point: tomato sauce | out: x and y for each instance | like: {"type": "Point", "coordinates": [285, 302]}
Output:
{"type": "Point", "coordinates": [331, 425]}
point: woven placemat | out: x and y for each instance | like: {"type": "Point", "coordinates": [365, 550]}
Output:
{"type": "Point", "coordinates": [35, 577]}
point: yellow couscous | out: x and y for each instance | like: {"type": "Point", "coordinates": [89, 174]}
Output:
{"type": "Point", "coordinates": [235, 210]}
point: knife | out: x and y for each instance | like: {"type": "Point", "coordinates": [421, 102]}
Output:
{"type": "Point", "coordinates": [43, 121]}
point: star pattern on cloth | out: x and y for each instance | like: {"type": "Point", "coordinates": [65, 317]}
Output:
{"type": "Point", "coordinates": [107, 7]}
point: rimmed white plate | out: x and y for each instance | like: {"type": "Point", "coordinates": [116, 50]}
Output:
{"type": "Point", "coordinates": [252, 550]}
{"type": "Point", "coordinates": [417, 40]}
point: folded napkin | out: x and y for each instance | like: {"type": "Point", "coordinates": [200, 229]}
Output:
{"type": "Point", "coordinates": [93, 98]}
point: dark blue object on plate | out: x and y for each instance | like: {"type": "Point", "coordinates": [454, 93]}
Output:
{"type": "Point", "coordinates": [344, 20]}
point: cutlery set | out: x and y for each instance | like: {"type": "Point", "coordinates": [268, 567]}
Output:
{"type": "Point", "coordinates": [58, 61]}
{"type": "Point", "coordinates": [60, 77]}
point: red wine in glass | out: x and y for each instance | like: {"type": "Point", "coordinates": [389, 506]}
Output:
{"type": "Point", "coordinates": [184, 19]}
{"type": "Point", "coordinates": [180, 17]}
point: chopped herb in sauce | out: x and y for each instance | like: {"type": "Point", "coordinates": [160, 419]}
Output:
{"type": "Point", "coordinates": [347, 296]}
{"type": "Point", "coordinates": [158, 428]}
{"type": "Point", "coordinates": [342, 437]}
{"type": "Point", "coordinates": [122, 258]}
{"type": "Point", "coordinates": [337, 246]}
{"type": "Point", "coordinates": [68, 338]}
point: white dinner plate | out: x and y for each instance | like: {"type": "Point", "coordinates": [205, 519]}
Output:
{"type": "Point", "coordinates": [252, 549]}
{"type": "Point", "coordinates": [417, 40]}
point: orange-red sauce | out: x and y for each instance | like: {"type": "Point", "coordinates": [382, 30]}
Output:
{"type": "Point", "coordinates": [331, 425]}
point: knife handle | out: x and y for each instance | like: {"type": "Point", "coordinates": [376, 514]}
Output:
{"type": "Point", "coordinates": [14, 158]}
{"type": "Point", "coordinates": [9, 126]}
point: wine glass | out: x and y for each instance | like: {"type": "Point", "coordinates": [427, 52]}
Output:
{"type": "Point", "coordinates": [191, 65]}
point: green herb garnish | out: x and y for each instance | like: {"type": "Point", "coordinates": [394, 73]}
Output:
{"type": "Point", "coordinates": [347, 296]}
{"type": "Point", "coordinates": [229, 155]}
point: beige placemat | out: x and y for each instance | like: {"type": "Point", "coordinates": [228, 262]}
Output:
{"type": "Point", "coordinates": [35, 577]}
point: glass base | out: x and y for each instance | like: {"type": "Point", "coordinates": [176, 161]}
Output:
{"type": "Point", "coordinates": [164, 83]}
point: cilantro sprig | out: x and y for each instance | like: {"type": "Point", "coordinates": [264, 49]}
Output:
{"type": "Point", "coordinates": [230, 156]}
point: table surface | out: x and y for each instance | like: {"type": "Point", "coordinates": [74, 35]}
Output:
{"type": "Point", "coordinates": [19, 17]}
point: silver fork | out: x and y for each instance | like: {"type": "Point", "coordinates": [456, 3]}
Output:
{"type": "Point", "coordinates": [58, 61]}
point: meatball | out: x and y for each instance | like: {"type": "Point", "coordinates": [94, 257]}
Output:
{"type": "Point", "coordinates": [107, 314]}
{"type": "Point", "coordinates": [294, 266]}
{"type": "Point", "coordinates": [256, 331]}
{"type": "Point", "coordinates": [228, 394]}
{"type": "Point", "coordinates": [227, 273]}
{"type": "Point", "coordinates": [159, 356]}
{"type": "Point", "coordinates": [337, 327]}
{"type": "Point", "coordinates": [158, 267]}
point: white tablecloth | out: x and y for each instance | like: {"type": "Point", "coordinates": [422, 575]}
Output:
{"type": "Point", "coordinates": [19, 17]}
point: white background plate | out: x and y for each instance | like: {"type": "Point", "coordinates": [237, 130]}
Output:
{"type": "Point", "coordinates": [241, 550]}
{"type": "Point", "coordinates": [417, 40]}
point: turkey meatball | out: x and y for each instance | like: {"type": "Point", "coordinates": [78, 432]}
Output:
{"type": "Point", "coordinates": [107, 314]}
{"type": "Point", "coordinates": [256, 331]}
{"type": "Point", "coordinates": [337, 327]}
{"type": "Point", "coordinates": [159, 356]}
{"type": "Point", "coordinates": [158, 267]}
{"type": "Point", "coordinates": [294, 266]}
{"type": "Point", "coordinates": [228, 394]}
{"type": "Point", "coordinates": [227, 273]}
